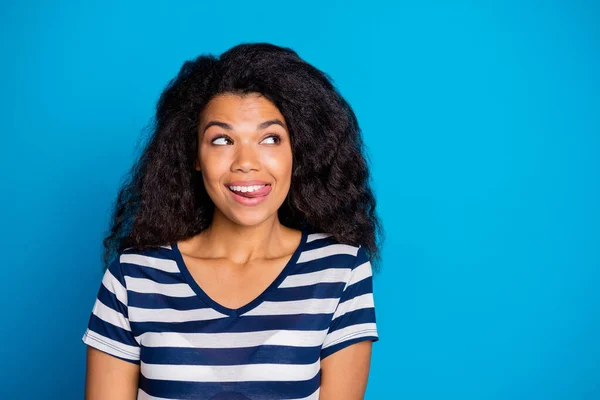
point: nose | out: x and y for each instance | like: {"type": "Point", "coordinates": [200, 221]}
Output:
{"type": "Point", "coordinates": [246, 158]}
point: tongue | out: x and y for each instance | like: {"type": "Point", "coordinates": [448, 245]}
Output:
{"type": "Point", "coordinates": [247, 194]}
{"type": "Point", "coordinates": [257, 193]}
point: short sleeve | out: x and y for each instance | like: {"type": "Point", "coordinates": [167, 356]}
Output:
{"type": "Point", "coordinates": [354, 319]}
{"type": "Point", "coordinates": [108, 327]}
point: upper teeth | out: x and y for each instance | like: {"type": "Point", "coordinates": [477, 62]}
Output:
{"type": "Point", "coordinates": [246, 188]}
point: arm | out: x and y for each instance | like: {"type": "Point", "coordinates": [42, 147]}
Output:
{"type": "Point", "coordinates": [344, 373]}
{"type": "Point", "coordinates": [346, 350]}
{"type": "Point", "coordinates": [109, 377]}
{"type": "Point", "coordinates": [113, 353]}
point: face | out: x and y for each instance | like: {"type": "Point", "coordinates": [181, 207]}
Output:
{"type": "Point", "coordinates": [245, 157]}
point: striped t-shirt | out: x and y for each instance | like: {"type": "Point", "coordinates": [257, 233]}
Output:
{"type": "Point", "coordinates": [150, 311]}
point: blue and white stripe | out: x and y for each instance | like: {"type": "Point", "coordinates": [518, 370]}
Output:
{"type": "Point", "coordinates": [150, 312]}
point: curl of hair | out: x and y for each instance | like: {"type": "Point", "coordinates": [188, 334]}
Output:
{"type": "Point", "coordinates": [163, 198]}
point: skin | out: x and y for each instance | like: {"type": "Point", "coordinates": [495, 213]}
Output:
{"type": "Point", "coordinates": [108, 377]}
{"type": "Point", "coordinates": [235, 271]}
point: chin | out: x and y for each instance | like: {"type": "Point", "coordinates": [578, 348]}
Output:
{"type": "Point", "coordinates": [249, 218]}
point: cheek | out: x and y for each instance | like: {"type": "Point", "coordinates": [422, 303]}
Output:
{"type": "Point", "coordinates": [279, 164]}
{"type": "Point", "coordinates": [213, 169]}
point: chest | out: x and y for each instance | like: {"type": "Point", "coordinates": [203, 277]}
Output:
{"type": "Point", "coordinates": [233, 286]}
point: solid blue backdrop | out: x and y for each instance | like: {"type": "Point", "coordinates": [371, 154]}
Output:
{"type": "Point", "coordinates": [482, 123]}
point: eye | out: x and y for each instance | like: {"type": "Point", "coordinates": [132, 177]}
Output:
{"type": "Point", "coordinates": [276, 138]}
{"type": "Point", "coordinates": [222, 139]}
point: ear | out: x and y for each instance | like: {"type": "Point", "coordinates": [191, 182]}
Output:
{"type": "Point", "coordinates": [197, 165]}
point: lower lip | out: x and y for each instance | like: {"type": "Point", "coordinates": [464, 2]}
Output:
{"type": "Point", "coordinates": [251, 201]}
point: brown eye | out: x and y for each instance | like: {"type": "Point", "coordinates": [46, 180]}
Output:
{"type": "Point", "coordinates": [276, 138]}
{"type": "Point", "coordinates": [222, 138]}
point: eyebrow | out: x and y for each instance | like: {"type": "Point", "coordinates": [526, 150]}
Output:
{"type": "Point", "coordinates": [260, 126]}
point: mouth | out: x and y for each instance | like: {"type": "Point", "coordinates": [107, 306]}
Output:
{"type": "Point", "coordinates": [250, 191]}
{"type": "Point", "coordinates": [249, 195]}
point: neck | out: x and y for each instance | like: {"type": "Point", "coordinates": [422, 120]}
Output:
{"type": "Point", "coordinates": [241, 243]}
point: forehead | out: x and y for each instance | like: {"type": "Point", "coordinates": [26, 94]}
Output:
{"type": "Point", "coordinates": [233, 107]}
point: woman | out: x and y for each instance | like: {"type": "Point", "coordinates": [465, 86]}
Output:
{"type": "Point", "coordinates": [244, 242]}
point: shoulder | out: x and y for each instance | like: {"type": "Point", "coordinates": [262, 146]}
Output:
{"type": "Point", "coordinates": [322, 251]}
{"type": "Point", "coordinates": [337, 266]}
{"type": "Point", "coordinates": [158, 258]}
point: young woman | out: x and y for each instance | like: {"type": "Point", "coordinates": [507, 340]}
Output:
{"type": "Point", "coordinates": [243, 243]}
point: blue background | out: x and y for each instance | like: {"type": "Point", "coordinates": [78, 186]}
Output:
{"type": "Point", "coordinates": [482, 122]}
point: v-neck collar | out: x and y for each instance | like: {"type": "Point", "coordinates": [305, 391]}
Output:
{"type": "Point", "coordinates": [234, 312]}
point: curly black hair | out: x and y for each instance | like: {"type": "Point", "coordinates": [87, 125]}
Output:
{"type": "Point", "coordinates": [162, 199]}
